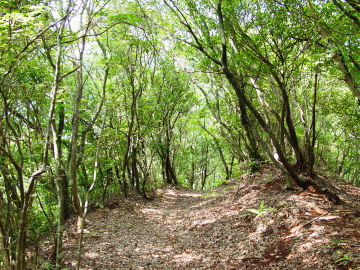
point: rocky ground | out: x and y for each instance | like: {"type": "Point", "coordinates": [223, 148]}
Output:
{"type": "Point", "coordinates": [214, 229]}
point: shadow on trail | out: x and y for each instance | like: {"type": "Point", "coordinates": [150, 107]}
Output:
{"type": "Point", "coordinates": [213, 230]}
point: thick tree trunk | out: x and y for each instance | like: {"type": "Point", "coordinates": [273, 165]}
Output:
{"type": "Point", "coordinates": [169, 170]}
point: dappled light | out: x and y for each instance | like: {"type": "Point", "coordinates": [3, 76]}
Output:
{"type": "Point", "coordinates": [91, 255]}
{"type": "Point", "coordinates": [187, 257]}
{"type": "Point", "coordinates": [183, 229]}
{"type": "Point", "coordinates": [179, 134]}
{"type": "Point", "coordinates": [152, 211]}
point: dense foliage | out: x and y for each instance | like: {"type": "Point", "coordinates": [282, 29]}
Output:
{"type": "Point", "coordinates": [102, 98]}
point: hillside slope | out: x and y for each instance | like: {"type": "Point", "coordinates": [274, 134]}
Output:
{"type": "Point", "coordinates": [183, 229]}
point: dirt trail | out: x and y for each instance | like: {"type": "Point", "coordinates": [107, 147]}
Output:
{"type": "Point", "coordinates": [146, 235]}
{"type": "Point", "coordinates": [184, 229]}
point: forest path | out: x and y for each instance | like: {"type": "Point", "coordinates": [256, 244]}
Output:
{"type": "Point", "coordinates": [183, 229]}
{"type": "Point", "coordinates": [143, 235]}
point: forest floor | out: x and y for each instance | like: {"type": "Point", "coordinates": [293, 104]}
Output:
{"type": "Point", "coordinates": [186, 229]}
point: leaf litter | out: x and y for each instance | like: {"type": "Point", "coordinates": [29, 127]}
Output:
{"type": "Point", "coordinates": [187, 229]}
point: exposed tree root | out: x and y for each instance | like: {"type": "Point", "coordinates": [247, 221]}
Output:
{"type": "Point", "coordinates": [319, 186]}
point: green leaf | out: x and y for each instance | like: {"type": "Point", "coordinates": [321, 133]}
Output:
{"type": "Point", "coordinates": [345, 257]}
{"type": "Point", "coordinates": [261, 211]}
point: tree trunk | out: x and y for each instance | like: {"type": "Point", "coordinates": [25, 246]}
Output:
{"type": "Point", "coordinates": [243, 99]}
{"type": "Point", "coordinates": [322, 29]}
{"type": "Point", "coordinates": [134, 170]}
{"type": "Point", "coordinates": [252, 148]}
{"type": "Point", "coordinates": [301, 162]}
{"type": "Point", "coordinates": [64, 184]}
{"type": "Point", "coordinates": [221, 152]}
{"type": "Point", "coordinates": [74, 164]}
{"type": "Point", "coordinates": [52, 129]}
{"type": "Point", "coordinates": [310, 152]}
{"type": "Point", "coordinates": [20, 248]}
{"type": "Point", "coordinates": [169, 170]}
{"type": "Point", "coordinates": [5, 256]}
{"type": "Point", "coordinates": [3, 249]}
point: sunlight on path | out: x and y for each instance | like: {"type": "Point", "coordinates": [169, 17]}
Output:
{"type": "Point", "coordinates": [203, 230]}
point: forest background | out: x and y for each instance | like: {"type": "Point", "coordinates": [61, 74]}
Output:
{"type": "Point", "coordinates": [102, 98]}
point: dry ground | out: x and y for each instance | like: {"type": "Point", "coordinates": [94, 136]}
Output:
{"type": "Point", "coordinates": [183, 229]}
